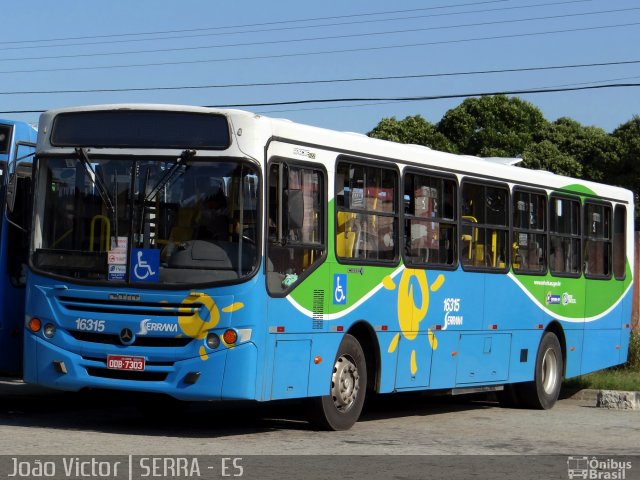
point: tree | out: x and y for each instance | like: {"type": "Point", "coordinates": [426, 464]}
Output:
{"type": "Point", "coordinates": [414, 130]}
{"type": "Point", "coordinates": [628, 134]}
{"type": "Point", "coordinates": [492, 126]}
{"type": "Point", "coordinates": [545, 155]}
{"type": "Point", "coordinates": [592, 147]}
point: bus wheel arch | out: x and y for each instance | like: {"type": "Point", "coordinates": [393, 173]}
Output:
{"type": "Point", "coordinates": [368, 340]}
{"type": "Point", "coordinates": [347, 389]}
{"type": "Point", "coordinates": [543, 392]}
{"type": "Point", "coordinates": [555, 328]}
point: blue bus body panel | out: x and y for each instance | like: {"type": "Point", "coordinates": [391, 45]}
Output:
{"type": "Point", "coordinates": [11, 295]}
{"type": "Point", "coordinates": [290, 353]}
{"type": "Point", "coordinates": [173, 346]}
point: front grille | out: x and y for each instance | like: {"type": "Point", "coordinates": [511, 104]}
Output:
{"type": "Point", "coordinates": [126, 375]}
{"type": "Point", "coordinates": [123, 307]}
{"type": "Point", "coordinates": [112, 339]}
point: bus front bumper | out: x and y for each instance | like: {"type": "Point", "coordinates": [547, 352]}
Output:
{"type": "Point", "coordinates": [229, 373]}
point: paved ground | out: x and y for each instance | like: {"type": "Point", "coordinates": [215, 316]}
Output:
{"type": "Point", "coordinates": [89, 423]}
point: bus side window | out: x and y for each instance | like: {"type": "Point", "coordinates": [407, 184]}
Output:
{"type": "Point", "coordinates": [430, 219]}
{"type": "Point", "coordinates": [485, 226]}
{"type": "Point", "coordinates": [564, 236]}
{"type": "Point", "coordinates": [597, 248]}
{"type": "Point", "coordinates": [529, 241]}
{"type": "Point", "coordinates": [366, 213]}
{"type": "Point", "coordinates": [296, 218]}
{"type": "Point", "coordinates": [619, 242]}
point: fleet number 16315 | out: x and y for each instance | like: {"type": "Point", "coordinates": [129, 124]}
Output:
{"type": "Point", "coordinates": [88, 324]}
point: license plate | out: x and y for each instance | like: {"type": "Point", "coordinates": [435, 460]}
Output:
{"type": "Point", "coordinates": [124, 362]}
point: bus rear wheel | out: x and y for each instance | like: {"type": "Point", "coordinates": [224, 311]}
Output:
{"type": "Point", "coordinates": [543, 392]}
{"type": "Point", "coordinates": [342, 407]}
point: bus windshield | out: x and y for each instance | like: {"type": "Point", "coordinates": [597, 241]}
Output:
{"type": "Point", "coordinates": [152, 220]}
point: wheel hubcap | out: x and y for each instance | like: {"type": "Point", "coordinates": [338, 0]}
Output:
{"type": "Point", "coordinates": [345, 383]}
{"type": "Point", "coordinates": [549, 371]}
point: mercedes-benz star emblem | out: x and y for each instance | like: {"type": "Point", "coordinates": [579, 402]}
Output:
{"type": "Point", "coordinates": [126, 336]}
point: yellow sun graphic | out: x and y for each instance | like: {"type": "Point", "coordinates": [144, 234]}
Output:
{"type": "Point", "coordinates": [409, 314]}
{"type": "Point", "coordinates": [194, 326]}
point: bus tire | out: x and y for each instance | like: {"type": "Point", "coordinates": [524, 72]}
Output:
{"type": "Point", "coordinates": [342, 407]}
{"type": "Point", "coordinates": [543, 392]}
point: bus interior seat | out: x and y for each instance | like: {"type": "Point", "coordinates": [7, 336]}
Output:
{"type": "Point", "coordinates": [184, 228]}
{"type": "Point", "coordinates": [478, 254]}
{"type": "Point", "coordinates": [274, 277]}
{"type": "Point", "coordinates": [182, 231]}
{"type": "Point", "coordinates": [346, 236]}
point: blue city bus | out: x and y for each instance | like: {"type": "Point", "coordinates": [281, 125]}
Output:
{"type": "Point", "coordinates": [17, 146]}
{"type": "Point", "coordinates": [214, 254]}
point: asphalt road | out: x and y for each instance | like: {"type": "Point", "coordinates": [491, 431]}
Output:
{"type": "Point", "coordinates": [38, 422]}
{"type": "Point", "coordinates": [100, 422]}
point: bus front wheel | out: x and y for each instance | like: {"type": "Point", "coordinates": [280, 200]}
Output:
{"type": "Point", "coordinates": [342, 407]}
{"type": "Point", "coordinates": [543, 392]}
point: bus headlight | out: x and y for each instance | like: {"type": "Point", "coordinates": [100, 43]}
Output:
{"type": "Point", "coordinates": [49, 330]}
{"type": "Point", "coordinates": [213, 341]}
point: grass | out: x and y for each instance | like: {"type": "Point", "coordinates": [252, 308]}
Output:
{"type": "Point", "coordinates": [625, 377]}
{"type": "Point", "coordinates": [611, 379]}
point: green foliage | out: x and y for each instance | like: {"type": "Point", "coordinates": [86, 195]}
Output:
{"type": "Point", "coordinates": [628, 134]}
{"type": "Point", "coordinates": [546, 155]}
{"type": "Point", "coordinates": [591, 147]}
{"type": "Point", "coordinates": [415, 130]}
{"type": "Point", "coordinates": [612, 379]}
{"type": "Point", "coordinates": [492, 126]}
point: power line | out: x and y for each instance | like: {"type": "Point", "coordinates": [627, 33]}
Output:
{"type": "Point", "coordinates": [326, 52]}
{"type": "Point", "coordinates": [421, 98]}
{"type": "Point", "coordinates": [336, 80]}
{"type": "Point", "coordinates": [538, 90]}
{"type": "Point", "coordinates": [350, 22]}
{"type": "Point", "coordinates": [401, 99]}
{"type": "Point", "coordinates": [310, 39]}
{"type": "Point", "coordinates": [263, 23]}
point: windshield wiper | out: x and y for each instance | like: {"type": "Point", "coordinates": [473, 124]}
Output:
{"type": "Point", "coordinates": [168, 175]}
{"type": "Point", "coordinates": [102, 189]}
{"type": "Point", "coordinates": [184, 156]}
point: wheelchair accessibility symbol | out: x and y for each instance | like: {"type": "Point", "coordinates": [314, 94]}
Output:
{"type": "Point", "coordinates": [339, 289]}
{"type": "Point", "coordinates": [145, 265]}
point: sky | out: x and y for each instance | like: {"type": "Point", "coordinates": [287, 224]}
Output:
{"type": "Point", "coordinates": [254, 54]}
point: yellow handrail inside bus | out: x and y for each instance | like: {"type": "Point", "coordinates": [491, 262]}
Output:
{"type": "Point", "coordinates": [494, 249]}
{"type": "Point", "coordinates": [62, 237]}
{"type": "Point", "coordinates": [470, 238]}
{"type": "Point", "coordinates": [105, 232]}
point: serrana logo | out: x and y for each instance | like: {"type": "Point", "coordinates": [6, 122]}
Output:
{"type": "Point", "coordinates": [147, 326]}
{"type": "Point", "coordinates": [452, 313]}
